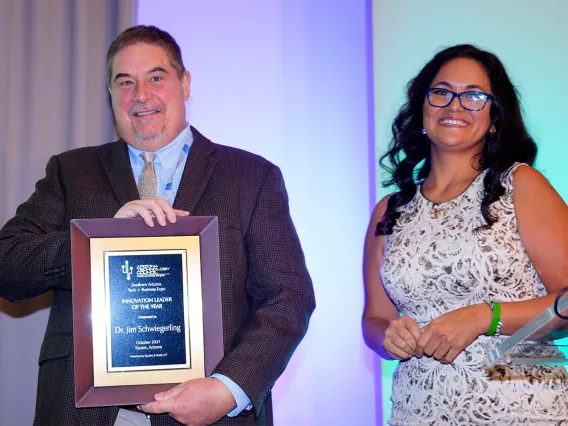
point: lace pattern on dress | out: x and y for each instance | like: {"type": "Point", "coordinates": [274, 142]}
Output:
{"type": "Point", "coordinates": [434, 262]}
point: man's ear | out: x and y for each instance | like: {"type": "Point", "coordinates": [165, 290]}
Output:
{"type": "Point", "coordinates": [185, 83]}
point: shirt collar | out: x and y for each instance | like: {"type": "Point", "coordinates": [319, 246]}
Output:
{"type": "Point", "coordinates": [167, 156]}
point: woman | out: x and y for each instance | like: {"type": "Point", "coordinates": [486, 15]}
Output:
{"type": "Point", "coordinates": [472, 247]}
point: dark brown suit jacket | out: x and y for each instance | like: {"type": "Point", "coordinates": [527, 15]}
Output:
{"type": "Point", "coordinates": [267, 294]}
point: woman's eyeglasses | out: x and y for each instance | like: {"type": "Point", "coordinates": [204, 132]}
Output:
{"type": "Point", "coordinates": [472, 101]}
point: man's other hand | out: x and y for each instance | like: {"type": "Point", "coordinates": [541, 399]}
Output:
{"type": "Point", "coordinates": [149, 208]}
{"type": "Point", "coordinates": [196, 402]}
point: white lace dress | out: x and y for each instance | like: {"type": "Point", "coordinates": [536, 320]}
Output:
{"type": "Point", "coordinates": [435, 263]}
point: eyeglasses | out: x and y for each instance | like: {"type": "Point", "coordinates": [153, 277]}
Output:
{"type": "Point", "coordinates": [472, 101]}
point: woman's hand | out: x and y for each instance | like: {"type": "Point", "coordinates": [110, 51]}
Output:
{"type": "Point", "coordinates": [449, 334]}
{"type": "Point", "coordinates": [401, 337]}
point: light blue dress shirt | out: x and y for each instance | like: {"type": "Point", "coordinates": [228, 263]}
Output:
{"type": "Point", "coordinates": [168, 175]}
{"type": "Point", "coordinates": [165, 164]}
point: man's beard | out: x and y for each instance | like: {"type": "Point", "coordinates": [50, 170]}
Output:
{"type": "Point", "coordinates": [140, 137]}
{"type": "Point", "coordinates": [137, 107]}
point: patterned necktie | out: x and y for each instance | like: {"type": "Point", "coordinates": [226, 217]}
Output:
{"type": "Point", "coordinates": [148, 184]}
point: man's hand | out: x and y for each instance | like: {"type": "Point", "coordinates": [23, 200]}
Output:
{"type": "Point", "coordinates": [401, 337]}
{"type": "Point", "coordinates": [449, 334]}
{"type": "Point", "coordinates": [146, 209]}
{"type": "Point", "coordinates": [196, 402]}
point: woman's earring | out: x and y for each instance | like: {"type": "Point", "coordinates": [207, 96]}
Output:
{"type": "Point", "coordinates": [492, 130]}
{"type": "Point", "coordinates": [423, 131]}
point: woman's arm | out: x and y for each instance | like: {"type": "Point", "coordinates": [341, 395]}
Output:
{"type": "Point", "coordinates": [542, 222]}
{"type": "Point", "coordinates": [384, 330]}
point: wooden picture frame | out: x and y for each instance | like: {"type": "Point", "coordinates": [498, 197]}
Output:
{"type": "Point", "coordinates": [146, 307]}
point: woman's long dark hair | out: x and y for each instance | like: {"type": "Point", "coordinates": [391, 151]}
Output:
{"type": "Point", "coordinates": [409, 147]}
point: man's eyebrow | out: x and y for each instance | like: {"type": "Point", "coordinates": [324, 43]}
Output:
{"type": "Point", "coordinates": [126, 75]}
{"type": "Point", "coordinates": [121, 75]}
{"type": "Point", "coordinates": [155, 69]}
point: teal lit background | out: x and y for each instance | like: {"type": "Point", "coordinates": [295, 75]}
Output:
{"type": "Point", "coordinates": [529, 36]}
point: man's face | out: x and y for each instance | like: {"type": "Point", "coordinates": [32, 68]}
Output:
{"type": "Point", "coordinates": [148, 97]}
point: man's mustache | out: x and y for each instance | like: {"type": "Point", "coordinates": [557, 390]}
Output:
{"type": "Point", "coordinates": [144, 107]}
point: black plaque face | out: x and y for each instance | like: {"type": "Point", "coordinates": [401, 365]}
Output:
{"type": "Point", "coordinates": [147, 322]}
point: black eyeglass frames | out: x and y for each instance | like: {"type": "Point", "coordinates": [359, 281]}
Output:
{"type": "Point", "coordinates": [471, 100]}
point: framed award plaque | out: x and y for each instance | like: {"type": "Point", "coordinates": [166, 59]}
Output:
{"type": "Point", "coordinates": [146, 307]}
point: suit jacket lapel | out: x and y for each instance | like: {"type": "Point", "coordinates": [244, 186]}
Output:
{"type": "Point", "coordinates": [198, 169]}
{"type": "Point", "coordinates": [116, 163]}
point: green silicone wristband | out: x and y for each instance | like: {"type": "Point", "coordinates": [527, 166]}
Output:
{"type": "Point", "coordinates": [496, 308]}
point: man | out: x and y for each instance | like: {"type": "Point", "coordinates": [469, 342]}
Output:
{"type": "Point", "coordinates": [267, 294]}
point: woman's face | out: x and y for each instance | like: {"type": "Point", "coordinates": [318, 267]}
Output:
{"type": "Point", "coordinates": [453, 127]}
